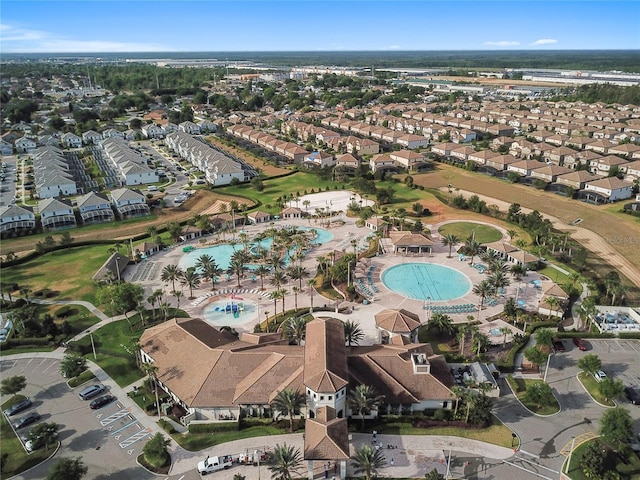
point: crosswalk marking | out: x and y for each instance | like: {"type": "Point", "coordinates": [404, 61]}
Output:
{"type": "Point", "coordinates": [113, 417]}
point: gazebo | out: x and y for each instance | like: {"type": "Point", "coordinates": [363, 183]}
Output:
{"type": "Point", "coordinates": [391, 323]}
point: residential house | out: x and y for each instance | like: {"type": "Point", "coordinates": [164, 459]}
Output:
{"type": "Point", "coordinates": [151, 130]}
{"type": "Point", "coordinates": [190, 128]}
{"type": "Point", "coordinates": [347, 161]}
{"type": "Point", "coordinates": [15, 219]}
{"type": "Point", "coordinates": [112, 133]}
{"type": "Point", "coordinates": [71, 140]}
{"type": "Point", "coordinates": [482, 156]}
{"type": "Point", "coordinates": [259, 217]}
{"type": "Point", "coordinates": [318, 159]}
{"type": "Point", "coordinates": [576, 179]}
{"type": "Point", "coordinates": [376, 224]}
{"type": "Point", "coordinates": [169, 128]}
{"type": "Point", "coordinates": [382, 162]}
{"type": "Point", "coordinates": [56, 214]}
{"type": "Point", "coordinates": [627, 150]}
{"type": "Point", "coordinates": [549, 173]}
{"type": "Point", "coordinates": [6, 148]}
{"type": "Point", "coordinates": [407, 159]}
{"type": "Point", "coordinates": [632, 171]}
{"type": "Point", "coordinates": [610, 189]}
{"type": "Point", "coordinates": [94, 208]}
{"type": "Point", "coordinates": [557, 155]}
{"type": "Point", "coordinates": [501, 162]}
{"type": "Point", "coordinates": [91, 138]}
{"type": "Point", "coordinates": [444, 149]}
{"type": "Point", "coordinates": [412, 141]}
{"type": "Point", "coordinates": [604, 165]}
{"type": "Point", "coordinates": [129, 203]}
{"type": "Point", "coordinates": [25, 145]}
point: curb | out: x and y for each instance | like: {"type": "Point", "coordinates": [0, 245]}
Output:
{"type": "Point", "coordinates": [615, 404]}
{"type": "Point", "coordinates": [59, 444]}
{"type": "Point", "coordinates": [531, 411]}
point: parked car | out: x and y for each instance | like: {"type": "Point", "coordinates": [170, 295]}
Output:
{"type": "Point", "coordinates": [18, 407]}
{"type": "Point", "coordinates": [91, 391]}
{"type": "Point", "coordinates": [101, 401]}
{"type": "Point", "coordinates": [28, 419]}
{"type": "Point", "coordinates": [632, 395]}
{"type": "Point", "coordinates": [600, 375]}
{"type": "Point", "coordinates": [578, 342]}
{"type": "Point", "coordinates": [35, 443]}
{"type": "Point", "coordinates": [558, 345]}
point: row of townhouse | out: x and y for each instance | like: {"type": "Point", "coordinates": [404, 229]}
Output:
{"type": "Point", "coordinates": [406, 140]}
{"type": "Point", "coordinates": [54, 214]}
{"type": "Point", "coordinates": [607, 189]}
{"type": "Point", "coordinates": [154, 130]}
{"type": "Point", "coordinates": [52, 174]}
{"type": "Point", "coordinates": [218, 168]}
{"type": "Point", "coordinates": [292, 151]}
{"type": "Point", "coordinates": [391, 162]}
{"type": "Point", "coordinates": [131, 166]}
{"type": "Point", "coordinates": [345, 144]}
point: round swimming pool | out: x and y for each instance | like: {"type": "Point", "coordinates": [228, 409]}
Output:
{"type": "Point", "coordinates": [422, 281]}
{"type": "Point", "coordinates": [230, 312]}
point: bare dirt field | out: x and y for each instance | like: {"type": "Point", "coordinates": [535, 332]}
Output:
{"type": "Point", "coordinates": [613, 239]}
{"type": "Point", "coordinates": [266, 168]}
{"type": "Point", "coordinates": [495, 82]}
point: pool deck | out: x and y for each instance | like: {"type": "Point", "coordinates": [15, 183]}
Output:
{"type": "Point", "coordinates": [148, 273]}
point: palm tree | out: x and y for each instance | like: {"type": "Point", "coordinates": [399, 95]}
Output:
{"type": "Point", "coordinates": [288, 402]}
{"type": "Point", "coordinates": [480, 342]}
{"type": "Point", "coordinates": [498, 279]}
{"type": "Point", "coordinates": [278, 278]}
{"type": "Point", "coordinates": [211, 271]}
{"type": "Point", "coordinates": [262, 271]}
{"type": "Point", "coordinates": [297, 272]}
{"type": "Point", "coordinates": [363, 400]}
{"type": "Point", "coordinates": [504, 331]}
{"type": "Point", "coordinates": [275, 296]}
{"type": "Point", "coordinates": [518, 271]}
{"type": "Point", "coordinates": [190, 278]}
{"type": "Point", "coordinates": [296, 291]}
{"type": "Point", "coordinates": [177, 294]}
{"type": "Point", "coordinates": [553, 303]}
{"type": "Point", "coordinates": [353, 334]}
{"type": "Point", "coordinates": [442, 323]}
{"type": "Point", "coordinates": [512, 235]}
{"type": "Point", "coordinates": [283, 294]}
{"type": "Point", "coordinates": [151, 371]}
{"type": "Point", "coordinates": [238, 264]}
{"type": "Point", "coordinates": [204, 260]}
{"type": "Point", "coordinates": [284, 462]}
{"type": "Point", "coordinates": [171, 273]}
{"type": "Point", "coordinates": [25, 291]}
{"type": "Point", "coordinates": [459, 393]}
{"type": "Point", "coordinates": [367, 461]}
{"type": "Point", "coordinates": [462, 336]}
{"type": "Point", "coordinates": [296, 329]}
{"type": "Point", "coordinates": [450, 241]}
{"type": "Point", "coordinates": [311, 283]}
{"type": "Point", "coordinates": [484, 290]}
{"type": "Point", "coordinates": [472, 248]}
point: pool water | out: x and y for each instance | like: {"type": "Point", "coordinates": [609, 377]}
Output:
{"type": "Point", "coordinates": [422, 281]}
{"type": "Point", "coordinates": [222, 253]}
{"type": "Point", "coordinates": [230, 312]}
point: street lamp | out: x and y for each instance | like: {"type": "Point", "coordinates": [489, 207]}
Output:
{"type": "Point", "coordinates": [448, 475]}
{"type": "Point", "coordinates": [573, 441]}
{"type": "Point", "coordinates": [118, 267]}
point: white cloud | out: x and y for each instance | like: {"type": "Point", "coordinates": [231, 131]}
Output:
{"type": "Point", "coordinates": [545, 41]}
{"type": "Point", "coordinates": [22, 40]}
{"type": "Point", "coordinates": [391, 47]}
{"type": "Point", "coordinates": [502, 43]}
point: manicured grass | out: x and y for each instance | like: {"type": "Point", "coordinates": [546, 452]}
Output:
{"type": "Point", "coordinates": [115, 349]}
{"type": "Point", "coordinates": [68, 272]}
{"type": "Point", "coordinates": [591, 385]}
{"type": "Point", "coordinates": [520, 385]}
{"type": "Point", "coordinates": [497, 433]}
{"type": "Point", "coordinates": [464, 230]}
{"type": "Point", "coordinates": [17, 460]}
{"type": "Point", "coordinates": [631, 469]}
{"type": "Point", "coordinates": [198, 441]}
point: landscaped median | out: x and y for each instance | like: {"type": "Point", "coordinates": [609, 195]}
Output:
{"type": "Point", "coordinates": [14, 457]}
{"type": "Point", "coordinates": [592, 387]}
{"type": "Point", "coordinates": [535, 395]}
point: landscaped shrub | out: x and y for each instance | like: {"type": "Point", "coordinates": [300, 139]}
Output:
{"type": "Point", "coordinates": [213, 427]}
{"type": "Point", "coordinates": [166, 426]}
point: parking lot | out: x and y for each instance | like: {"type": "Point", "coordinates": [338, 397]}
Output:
{"type": "Point", "coordinates": [619, 358]}
{"type": "Point", "coordinates": [108, 439]}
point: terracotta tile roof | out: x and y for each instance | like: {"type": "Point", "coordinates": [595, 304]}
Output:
{"type": "Point", "coordinates": [326, 437]}
{"type": "Point", "coordinates": [397, 321]}
{"type": "Point", "coordinates": [325, 358]}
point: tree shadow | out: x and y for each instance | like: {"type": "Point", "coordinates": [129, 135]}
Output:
{"type": "Point", "coordinates": [92, 439]}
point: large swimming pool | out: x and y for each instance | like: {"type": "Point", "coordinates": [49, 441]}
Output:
{"type": "Point", "coordinates": [422, 281]}
{"type": "Point", "coordinates": [222, 253]}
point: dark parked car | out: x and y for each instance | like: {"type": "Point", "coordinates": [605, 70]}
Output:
{"type": "Point", "coordinates": [101, 401]}
{"type": "Point", "coordinates": [91, 391]}
{"type": "Point", "coordinates": [578, 342]}
{"type": "Point", "coordinates": [558, 345]}
{"type": "Point", "coordinates": [632, 395]}
{"type": "Point", "coordinates": [18, 407]}
{"type": "Point", "coordinates": [28, 419]}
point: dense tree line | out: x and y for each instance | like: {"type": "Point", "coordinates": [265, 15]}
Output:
{"type": "Point", "coordinates": [601, 93]}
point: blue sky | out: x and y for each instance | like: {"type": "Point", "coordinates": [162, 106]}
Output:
{"type": "Point", "coordinates": [136, 26]}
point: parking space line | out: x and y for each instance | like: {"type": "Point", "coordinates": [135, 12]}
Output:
{"type": "Point", "coordinates": [124, 427]}
{"type": "Point", "coordinates": [54, 362]}
{"type": "Point", "coordinates": [134, 438]}
{"type": "Point", "coordinates": [116, 416]}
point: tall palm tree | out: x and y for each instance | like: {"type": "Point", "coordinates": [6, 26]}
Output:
{"type": "Point", "coordinates": [297, 272]}
{"type": "Point", "coordinates": [363, 400]}
{"type": "Point", "coordinates": [518, 271]}
{"type": "Point", "coordinates": [489, 256]}
{"type": "Point", "coordinates": [504, 331]}
{"type": "Point", "coordinates": [190, 278]}
{"type": "Point", "coordinates": [283, 294]}
{"type": "Point", "coordinates": [284, 462]}
{"type": "Point", "coordinates": [553, 303]}
{"type": "Point", "coordinates": [151, 371]}
{"type": "Point", "coordinates": [498, 280]}
{"type": "Point", "coordinates": [472, 248]}
{"type": "Point", "coordinates": [211, 271]}
{"type": "Point", "coordinates": [204, 261]}
{"type": "Point", "coordinates": [278, 277]}
{"type": "Point", "coordinates": [462, 336]}
{"type": "Point", "coordinates": [484, 290]}
{"type": "Point", "coordinates": [367, 461]}
{"type": "Point", "coordinates": [296, 329]}
{"type": "Point", "coordinates": [353, 334]}
{"type": "Point", "coordinates": [512, 234]}
{"type": "Point", "coordinates": [262, 271]}
{"type": "Point", "coordinates": [178, 295]}
{"type": "Point", "coordinates": [275, 262]}
{"type": "Point", "coordinates": [480, 342]}
{"type": "Point", "coordinates": [238, 264]}
{"type": "Point", "coordinates": [450, 241]}
{"type": "Point", "coordinates": [171, 273]}
{"type": "Point", "coordinates": [459, 393]}
{"type": "Point", "coordinates": [275, 296]}
{"type": "Point", "coordinates": [311, 283]}
{"type": "Point", "coordinates": [288, 402]}
{"type": "Point", "coordinates": [296, 291]}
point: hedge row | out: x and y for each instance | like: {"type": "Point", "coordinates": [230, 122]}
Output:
{"type": "Point", "coordinates": [213, 427]}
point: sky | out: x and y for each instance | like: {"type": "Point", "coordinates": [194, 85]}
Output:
{"type": "Point", "coordinates": [31, 26]}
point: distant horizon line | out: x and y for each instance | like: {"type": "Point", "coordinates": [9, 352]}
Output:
{"type": "Point", "coordinates": [389, 51]}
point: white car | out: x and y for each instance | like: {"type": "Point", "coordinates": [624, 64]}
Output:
{"type": "Point", "coordinates": [600, 375]}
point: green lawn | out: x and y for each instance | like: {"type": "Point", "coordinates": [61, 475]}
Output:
{"type": "Point", "coordinates": [519, 386]}
{"type": "Point", "coordinates": [115, 349]}
{"type": "Point", "coordinates": [464, 230]}
{"type": "Point", "coordinates": [632, 469]}
{"type": "Point", "coordinates": [16, 460]}
{"type": "Point", "coordinates": [68, 272]}
{"type": "Point", "coordinates": [197, 441]}
{"type": "Point", "coordinates": [591, 385]}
